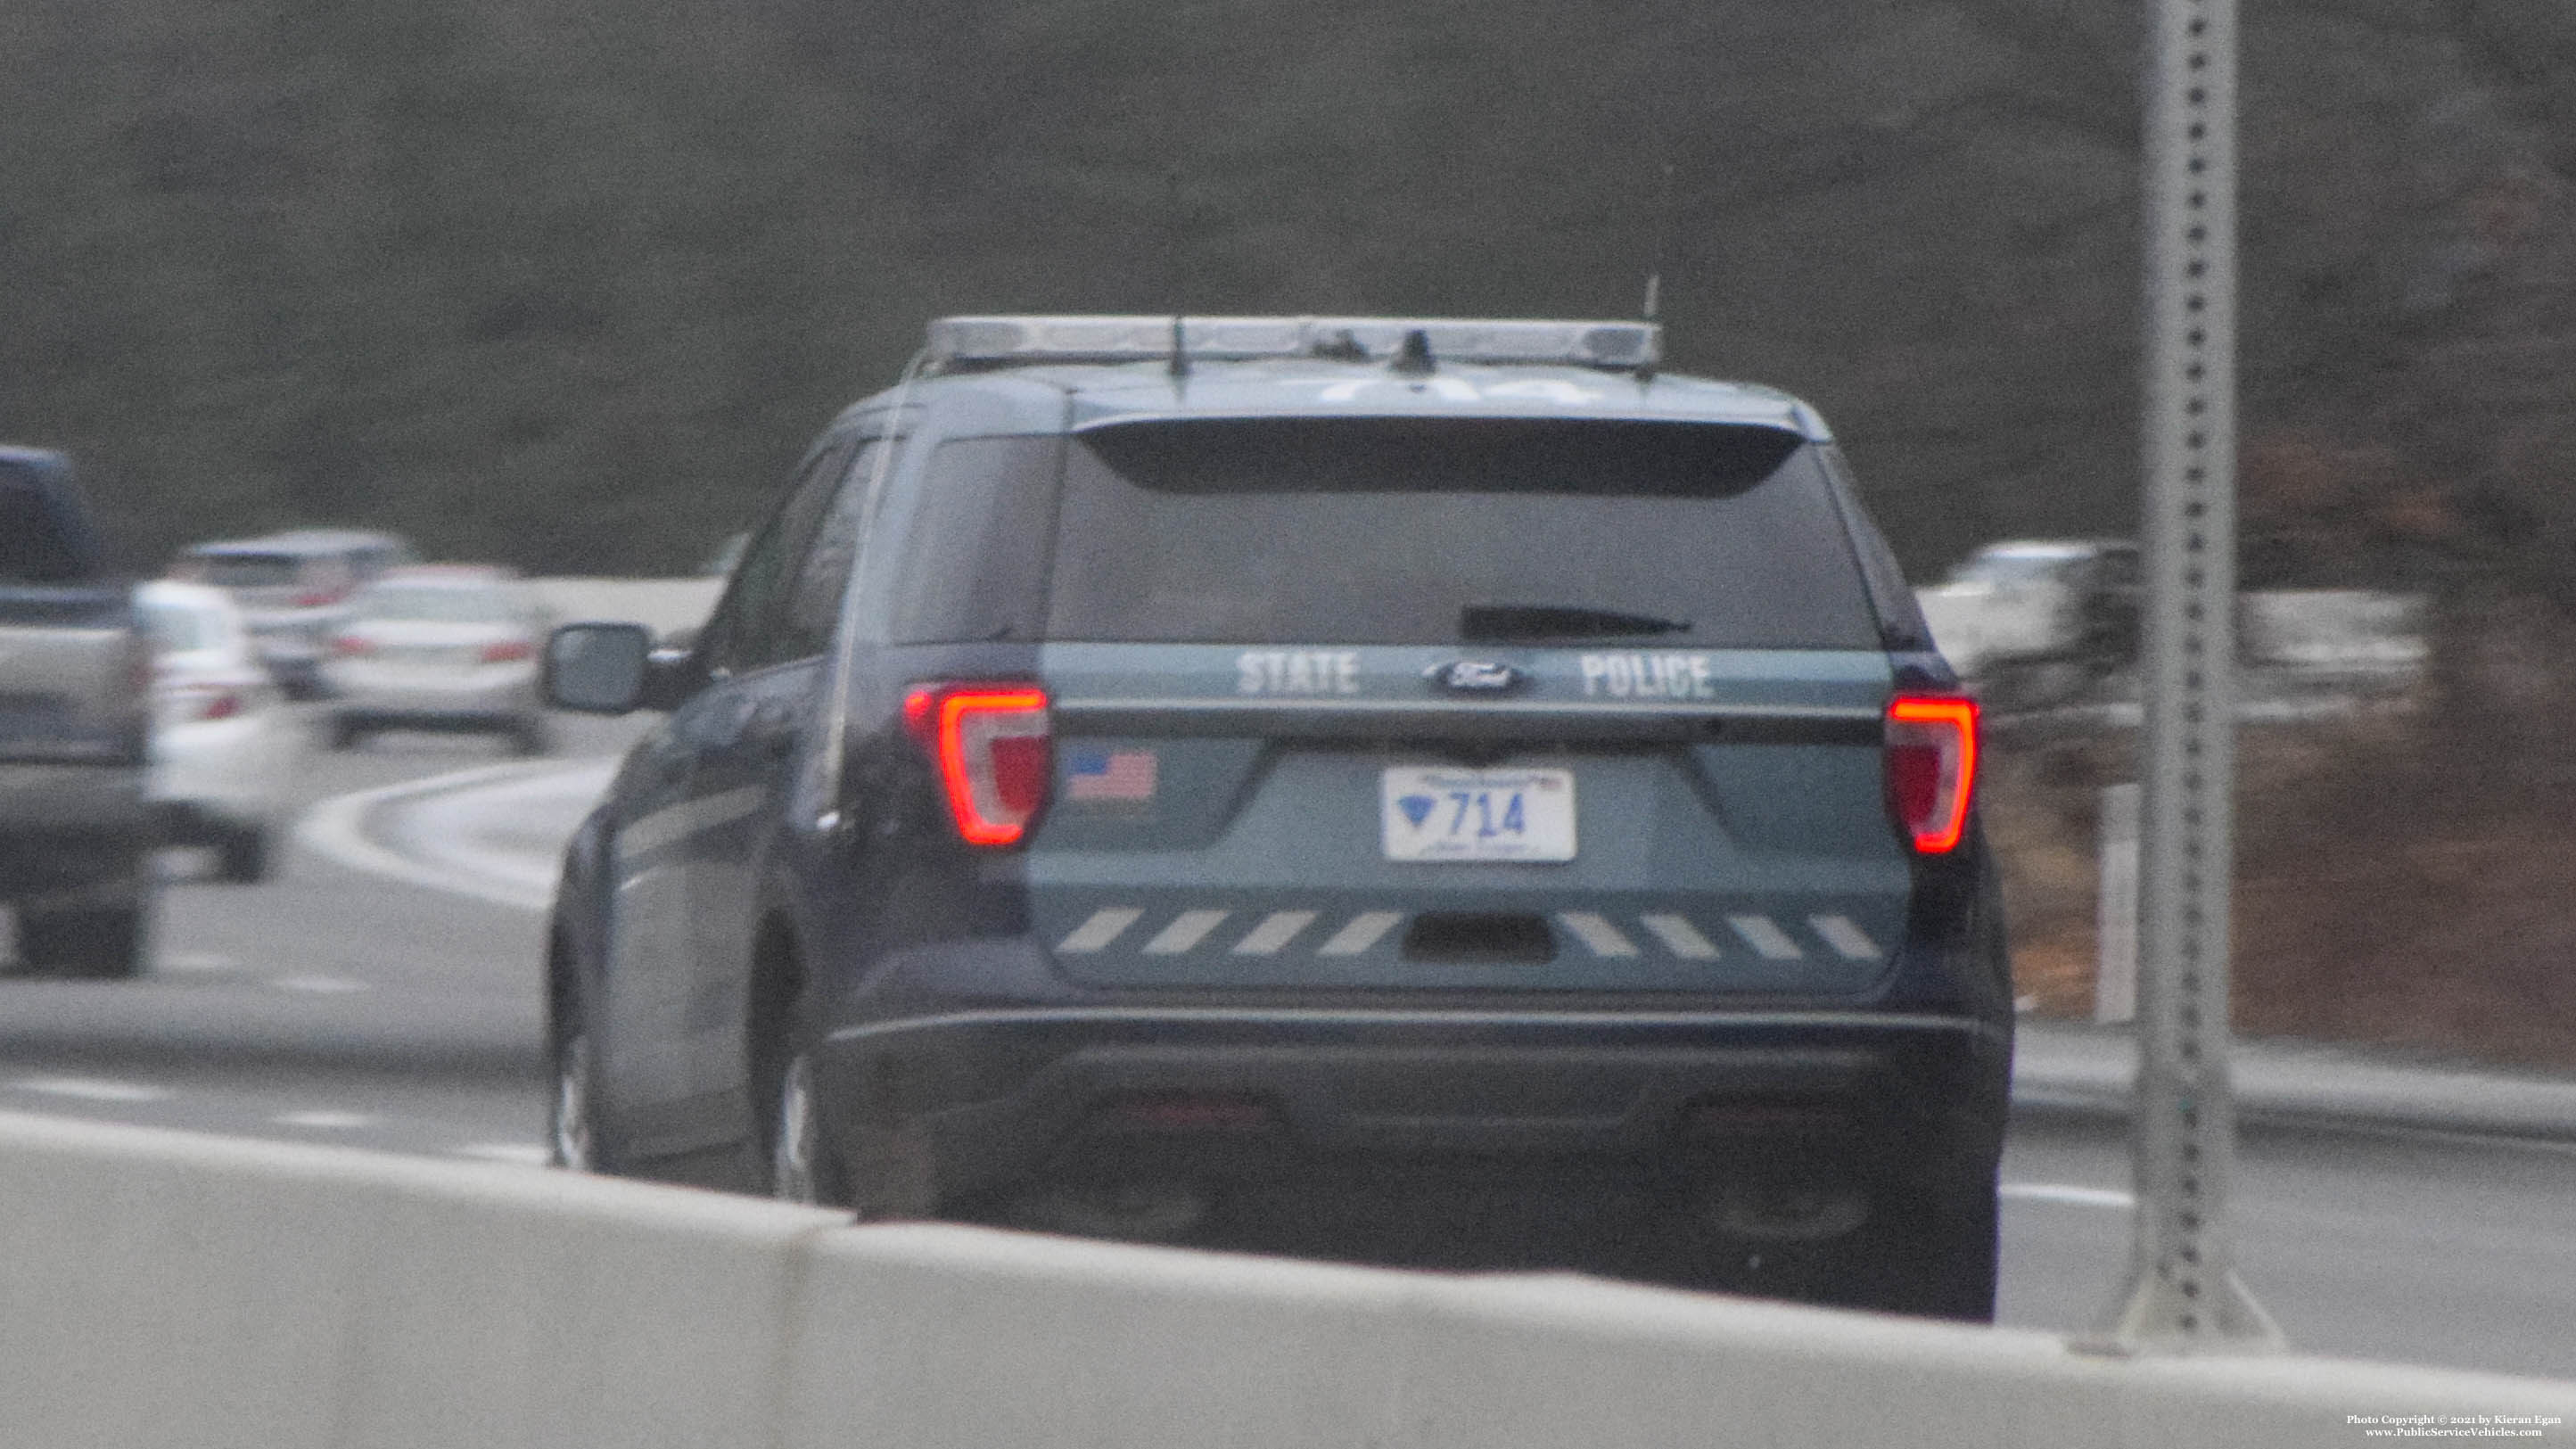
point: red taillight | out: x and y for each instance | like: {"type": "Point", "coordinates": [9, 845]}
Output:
{"type": "Point", "coordinates": [348, 645]}
{"type": "Point", "coordinates": [1931, 768]}
{"type": "Point", "coordinates": [508, 651]}
{"type": "Point", "coordinates": [316, 598]}
{"type": "Point", "coordinates": [221, 705]}
{"type": "Point", "coordinates": [994, 750]}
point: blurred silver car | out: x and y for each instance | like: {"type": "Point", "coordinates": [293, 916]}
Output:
{"type": "Point", "coordinates": [294, 589]}
{"type": "Point", "coordinates": [222, 740]}
{"type": "Point", "coordinates": [440, 648]}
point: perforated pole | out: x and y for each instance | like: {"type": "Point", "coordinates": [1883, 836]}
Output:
{"type": "Point", "coordinates": [2183, 1290]}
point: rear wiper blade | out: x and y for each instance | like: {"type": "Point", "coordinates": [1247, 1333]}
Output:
{"type": "Point", "coordinates": [1478, 622]}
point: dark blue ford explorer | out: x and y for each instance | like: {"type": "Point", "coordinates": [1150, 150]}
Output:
{"type": "Point", "coordinates": [1438, 792]}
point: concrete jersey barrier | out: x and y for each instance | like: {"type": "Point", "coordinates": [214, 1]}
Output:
{"type": "Point", "coordinates": [662, 605]}
{"type": "Point", "coordinates": [162, 1288]}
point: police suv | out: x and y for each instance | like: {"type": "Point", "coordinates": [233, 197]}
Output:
{"type": "Point", "coordinates": [1433, 791]}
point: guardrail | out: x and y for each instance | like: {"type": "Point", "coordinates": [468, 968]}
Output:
{"type": "Point", "coordinates": [161, 1288]}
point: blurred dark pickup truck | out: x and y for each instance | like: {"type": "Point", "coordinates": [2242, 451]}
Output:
{"type": "Point", "coordinates": [75, 691]}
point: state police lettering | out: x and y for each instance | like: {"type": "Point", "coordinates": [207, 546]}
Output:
{"type": "Point", "coordinates": [1648, 676]}
{"type": "Point", "coordinates": [1280, 671]}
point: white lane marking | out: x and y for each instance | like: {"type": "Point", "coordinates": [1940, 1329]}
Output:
{"type": "Point", "coordinates": [1763, 935]}
{"type": "Point", "coordinates": [337, 828]}
{"type": "Point", "coordinates": [526, 1154]}
{"type": "Point", "coordinates": [1186, 930]}
{"type": "Point", "coordinates": [1845, 936]}
{"type": "Point", "coordinates": [319, 985]}
{"type": "Point", "coordinates": [1360, 933]}
{"type": "Point", "coordinates": [325, 1120]}
{"type": "Point", "coordinates": [1597, 934]}
{"type": "Point", "coordinates": [92, 1089]}
{"type": "Point", "coordinates": [1681, 937]}
{"type": "Point", "coordinates": [2067, 1193]}
{"type": "Point", "coordinates": [195, 961]}
{"type": "Point", "coordinates": [1275, 931]}
{"type": "Point", "coordinates": [1104, 927]}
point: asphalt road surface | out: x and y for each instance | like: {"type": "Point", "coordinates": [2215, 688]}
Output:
{"type": "Point", "coordinates": [334, 1005]}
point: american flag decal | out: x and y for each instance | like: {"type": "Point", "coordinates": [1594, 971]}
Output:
{"type": "Point", "coordinates": [1109, 775]}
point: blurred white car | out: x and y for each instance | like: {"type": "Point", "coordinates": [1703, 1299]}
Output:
{"type": "Point", "coordinates": [222, 741]}
{"type": "Point", "coordinates": [2036, 622]}
{"type": "Point", "coordinates": [447, 647]}
{"type": "Point", "coordinates": [293, 589]}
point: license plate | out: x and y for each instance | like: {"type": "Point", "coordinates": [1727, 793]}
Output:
{"type": "Point", "coordinates": [1431, 813]}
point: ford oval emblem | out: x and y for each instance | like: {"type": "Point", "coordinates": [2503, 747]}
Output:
{"type": "Point", "coordinates": [1476, 676]}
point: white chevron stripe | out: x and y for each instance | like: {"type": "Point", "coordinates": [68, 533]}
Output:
{"type": "Point", "coordinates": [1361, 933]}
{"type": "Point", "coordinates": [1105, 926]}
{"type": "Point", "coordinates": [1681, 937]}
{"type": "Point", "coordinates": [1275, 931]}
{"type": "Point", "coordinates": [1764, 935]}
{"type": "Point", "coordinates": [1845, 935]}
{"type": "Point", "coordinates": [1186, 930]}
{"type": "Point", "coordinates": [1597, 934]}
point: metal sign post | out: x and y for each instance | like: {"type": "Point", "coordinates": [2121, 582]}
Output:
{"type": "Point", "coordinates": [2183, 1290]}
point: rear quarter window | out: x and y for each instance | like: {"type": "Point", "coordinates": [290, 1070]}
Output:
{"type": "Point", "coordinates": [1387, 530]}
{"type": "Point", "coordinates": [247, 570]}
{"type": "Point", "coordinates": [35, 548]}
{"type": "Point", "coordinates": [975, 558]}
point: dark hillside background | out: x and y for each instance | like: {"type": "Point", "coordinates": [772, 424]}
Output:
{"type": "Point", "coordinates": [570, 284]}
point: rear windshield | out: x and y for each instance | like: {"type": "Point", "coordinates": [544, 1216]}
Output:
{"type": "Point", "coordinates": [1437, 530]}
{"type": "Point", "coordinates": [246, 570]}
{"type": "Point", "coordinates": [32, 547]}
{"type": "Point", "coordinates": [180, 628]}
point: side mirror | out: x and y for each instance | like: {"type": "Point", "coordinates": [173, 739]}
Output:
{"type": "Point", "coordinates": [598, 668]}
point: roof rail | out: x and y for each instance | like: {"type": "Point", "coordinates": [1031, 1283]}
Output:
{"type": "Point", "coordinates": [958, 343]}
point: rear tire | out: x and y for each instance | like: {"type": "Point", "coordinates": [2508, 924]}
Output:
{"type": "Point", "coordinates": [242, 856]}
{"type": "Point", "coordinates": [1930, 1252]}
{"type": "Point", "coordinates": [801, 1167]}
{"type": "Point", "coordinates": [98, 943]}
{"type": "Point", "coordinates": [343, 733]}
{"type": "Point", "coordinates": [572, 1133]}
{"type": "Point", "coordinates": [792, 1157]}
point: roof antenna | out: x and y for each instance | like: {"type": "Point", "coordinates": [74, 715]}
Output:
{"type": "Point", "coordinates": [1175, 276]}
{"type": "Point", "coordinates": [1652, 313]}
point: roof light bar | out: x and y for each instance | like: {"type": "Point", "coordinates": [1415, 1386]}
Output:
{"type": "Point", "coordinates": [989, 341]}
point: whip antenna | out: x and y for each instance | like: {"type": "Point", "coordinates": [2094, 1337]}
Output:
{"type": "Point", "coordinates": [1652, 312]}
{"type": "Point", "coordinates": [1175, 271]}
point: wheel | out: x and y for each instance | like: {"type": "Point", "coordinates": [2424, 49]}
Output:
{"type": "Point", "coordinates": [1930, 1251]}
{"type": "Point", "coordinates": [800, 1166]}
{"type": "Point", "coordinates": [109, 942]}
{"type": "Point", "coordinates": [343, 733]}
{"type": "Point", "coordinates": [571, 1133]}
{"type": "Point", "coordinates": [242, 855]}
{"type": "Point", "coordinates": [793, 1159]}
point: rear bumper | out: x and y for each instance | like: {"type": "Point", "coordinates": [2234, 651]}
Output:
{"type": "Point", "coordinates": [991, 1098]}
{"type": "Point", "coordinates": [359, 696]}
